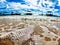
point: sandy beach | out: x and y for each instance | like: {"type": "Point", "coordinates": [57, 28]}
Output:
{"type": "Point", "coordinates": [29, 30]}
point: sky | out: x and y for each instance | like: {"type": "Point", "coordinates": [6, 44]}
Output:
{"type": "Point", "coordinates": [37, 6]}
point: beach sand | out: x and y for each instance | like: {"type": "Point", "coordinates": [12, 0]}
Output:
{"type": "Point", "coordinates": [29, 30]}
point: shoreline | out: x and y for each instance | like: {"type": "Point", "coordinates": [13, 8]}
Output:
{"type": "Point", "coordinates": [30, 16]}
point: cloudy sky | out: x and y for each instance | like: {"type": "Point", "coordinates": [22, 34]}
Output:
{"type": "Point", "coordinates": [40, 6]}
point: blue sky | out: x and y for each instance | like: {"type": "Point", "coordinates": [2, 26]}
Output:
{"type": "Point", "coordinates": [39, 6]}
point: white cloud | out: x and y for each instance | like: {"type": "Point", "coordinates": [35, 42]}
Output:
{"type": "Point", "coordinates": [58, 2]}
{"type": "Point", "coordinates": [32, 5]}
{"type": "Point", "coordinates": [2, 0]}
{"type": "Point", "coordinates": [31, 2]}
{"type": "Point", "coordinates": [14, 5]}
{"type": "Point", "coordinates": [3, 4]}
{"type": "Point", "coordinates": [56, 10]}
